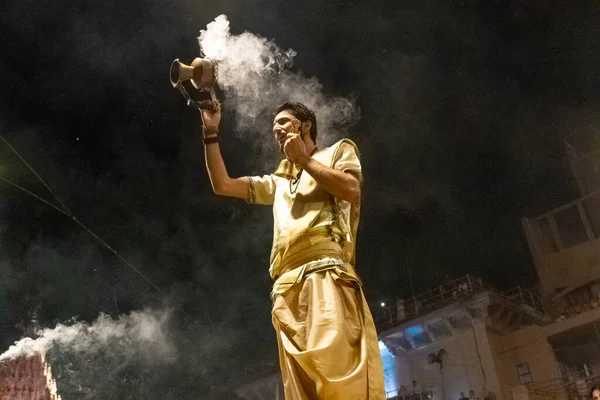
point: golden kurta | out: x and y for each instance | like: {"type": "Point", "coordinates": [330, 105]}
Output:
{"type": "Point", "coordinates": [327, 340]}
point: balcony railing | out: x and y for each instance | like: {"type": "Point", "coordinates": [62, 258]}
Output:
{"type": "Point", "coordinates": [447, 293]}
{"type": "Point", "coordinates": [574, 385]}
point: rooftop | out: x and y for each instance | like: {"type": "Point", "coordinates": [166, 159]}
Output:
{"type": "Point", "coordinates": [405, 310]}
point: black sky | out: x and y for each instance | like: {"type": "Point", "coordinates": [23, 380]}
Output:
{"type": "Point", "coordinates": [465, 107]}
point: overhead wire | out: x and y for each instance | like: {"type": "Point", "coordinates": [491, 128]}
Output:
{"type": "Point", "coordinates": [65, 211]}
{"type": "Point", "coordinates": [35, 173]}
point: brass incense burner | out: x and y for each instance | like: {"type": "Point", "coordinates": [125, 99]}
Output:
{"type": "Point", "coordinates": [196, 82]}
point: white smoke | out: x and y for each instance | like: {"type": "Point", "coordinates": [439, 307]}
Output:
{"type": "Point", "coordinates": [253, 74]}
{"type": "Point", "coordinates": [140, 333]}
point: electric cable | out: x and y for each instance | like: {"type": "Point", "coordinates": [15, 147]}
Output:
{"type": "Point", "coordinates": [65, 211]}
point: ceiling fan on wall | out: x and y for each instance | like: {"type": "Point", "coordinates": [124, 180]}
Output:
{"type": "Point", "coordinates": [438, 357]}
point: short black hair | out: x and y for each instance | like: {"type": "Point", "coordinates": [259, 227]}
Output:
{"type": "Point", "coordinates": [303, 113]}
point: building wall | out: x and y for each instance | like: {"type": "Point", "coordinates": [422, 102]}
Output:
{"type": "Point", "coordinates": [462, 369]}
{"type": "Point", "coordinates": [571, 266]}
{"type": "Point", "coordinates": [527, 345]}
{"type": "Point", "coordinates": [564, 243]}
{"type": "Point", "coordinates": [404, 370]}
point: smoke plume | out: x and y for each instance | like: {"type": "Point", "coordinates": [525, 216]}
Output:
{"type": "Point", "coordinates": [254, 74]}
{"type": "Point", "coordinates": [138, 333]}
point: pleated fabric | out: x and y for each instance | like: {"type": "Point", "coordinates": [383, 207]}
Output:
{"type": "Point", "coordinates": [328, 346]}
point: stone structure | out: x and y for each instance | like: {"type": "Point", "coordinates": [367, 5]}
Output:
{"type": "Point", "coordinates": [27, 378]}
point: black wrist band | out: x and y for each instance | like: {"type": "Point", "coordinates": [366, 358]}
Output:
{"type": "Point", "coordinates": [211, 139]}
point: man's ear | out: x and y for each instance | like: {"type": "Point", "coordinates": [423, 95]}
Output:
{"type": "Point", "coordinates": [306, 125]}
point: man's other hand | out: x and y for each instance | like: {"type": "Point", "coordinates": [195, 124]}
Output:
{"type": "Point", "coordinates": [210, 117]}
{"type": "Point", "coordinates": [295, 149]}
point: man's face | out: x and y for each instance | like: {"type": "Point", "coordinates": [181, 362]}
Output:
{"type": "Point", "coordinates": [284, 123]}
{"type": "Point", "coordinates": [596, 395]}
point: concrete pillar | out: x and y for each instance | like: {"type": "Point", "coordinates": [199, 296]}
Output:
{"type": "Point", "coordinates": [484, 347]}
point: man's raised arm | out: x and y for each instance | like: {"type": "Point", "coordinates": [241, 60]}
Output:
{"type": "Point", "coordinates": [221, 183]}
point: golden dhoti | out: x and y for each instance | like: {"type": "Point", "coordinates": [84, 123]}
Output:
{"type": "Point", "coordinates": [328, 346]}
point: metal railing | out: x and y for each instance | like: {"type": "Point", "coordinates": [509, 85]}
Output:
{"type": "Point", "coordinates": [568, 384]}
{"type": "Point", "coordinates": [525, 297]}
{"type": "Point", "coordinates": [447, 293]}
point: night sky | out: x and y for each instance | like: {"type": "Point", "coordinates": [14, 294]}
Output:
{"type": "Point", "coordinates": [465, 110]}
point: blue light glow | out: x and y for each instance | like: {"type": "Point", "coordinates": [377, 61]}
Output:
{"type": "Point", "coordinates": [414, 330]}
{"type": "Point", "coordinates": [389, 369]}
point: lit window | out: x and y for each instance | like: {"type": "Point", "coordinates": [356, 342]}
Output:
{"type": "Point", "coordinates": [414, 330]}
{"type": "Point", "coordinates": [524, 373]}
{"type": "Point", "coordinates": [418, 336]}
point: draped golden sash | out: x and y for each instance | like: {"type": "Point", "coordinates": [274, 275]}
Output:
{"type": "Point", "coordinates": [319, 257]}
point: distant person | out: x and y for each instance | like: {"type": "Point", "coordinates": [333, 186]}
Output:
{"type": "Point", "coordinates": [463, 287]}
{"type": "Point", "coordinates": [417, 305]}
{"type": "Point", "coordinates": [390, 310]}
{"type": "Point", "coordinates": [595, 392]}
{"type": "Point", "coordinates": [402, 392]}
{"type": "Point", "coordinates": [416, 389]}
{"type": "Point", "coordinates": [400, 315]}
{"type": "Point", "coordinates": [463, 397]}
{"type": "Point", "coordinates": [472, 395]}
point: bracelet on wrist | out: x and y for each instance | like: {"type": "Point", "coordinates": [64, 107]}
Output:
{"type": "Point", "coordinates": [211, 139]}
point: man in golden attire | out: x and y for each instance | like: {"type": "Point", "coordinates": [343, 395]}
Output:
{"type": "Point", "coordinates": [328, 346]}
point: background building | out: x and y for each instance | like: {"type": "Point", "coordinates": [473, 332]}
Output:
{"type": "Point", "coordinates": [464, 335]}
{"type": "Point", "coordinates": [514, 344]}
{"type": "Point", "coordinates": [455, 338]}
